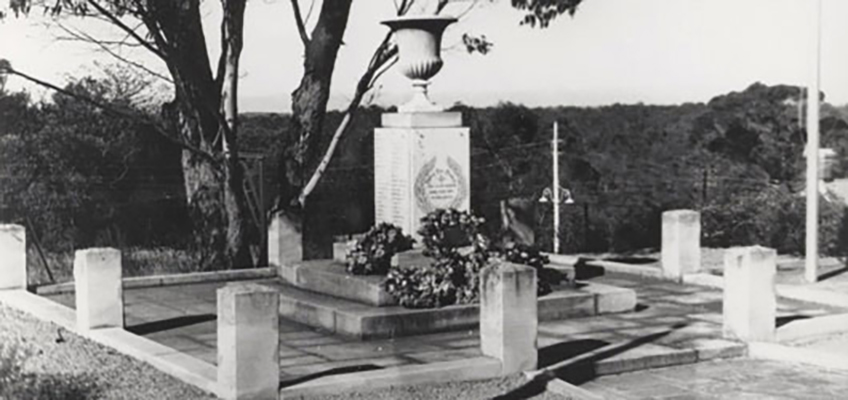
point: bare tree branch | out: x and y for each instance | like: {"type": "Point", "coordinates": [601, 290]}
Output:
{"type": "Point", "coordinates": [384, 56]}
{"type": "Point", "coordinates": [7, 69]}
{"type": "Point", "coordinates": [104, 46]}
{"type": "Point", "coordinates": [120, 24]}
{"type": "Point", "coordinates": [309, 12]}
{"type": "Point", "coordinates": [298, 19]}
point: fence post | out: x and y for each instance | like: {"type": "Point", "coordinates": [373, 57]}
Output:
{"type": "Point", "coordinates": [509, 316]}
{"type": "Point", "coordinates": [99, 289]}
{"type": "Point", "coordinates": [285, 249]}
{"type": "Point", "coordinates": [750, 303]}
{"type": "Point", "coordinates": [13, 273]}
{"type": "Point", "coordinates": [248, 342]}
{"type": "Point", "coordinates": [681, 243]}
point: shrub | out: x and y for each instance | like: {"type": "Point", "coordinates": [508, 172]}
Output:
{"type": "Point", "coordinates": [373, 253]}
{"type": "Point", "coordinates": [773, 218]}
{"type": "Point", "coordinates": [17, 384]}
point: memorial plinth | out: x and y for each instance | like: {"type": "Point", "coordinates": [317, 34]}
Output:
{"type": "Point", "coordinates": [421, 163]}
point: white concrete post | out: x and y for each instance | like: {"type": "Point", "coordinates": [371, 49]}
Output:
{"type": "Point", "coordinates": [248, 342]}
{"type": "Point", "coordinates": [750, 304]}
{"type": "Point", "coordinates": [681, 243]}
{"type": "Point", "coordinates": [12, 257]}
{"type": "Point", "coordinates": [509, 316]}
{"type": "Point", "coordinates": [99, 289]}
{"type": "Point", "coordinates": [284, 246]}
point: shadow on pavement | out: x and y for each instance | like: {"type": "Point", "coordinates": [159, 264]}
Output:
{"type": "Point", "coordinates": [333, 371]}
{"type": "Point", "coordinates": [583, 271]}
{"type": "Point", "coordinates": [830, 274]}
{"type": "Point", "coordinates": [571, 365]}
{"type": "Point", "coordinates": [170, 323]}
{"type": "Point", "coordinates": [780, 321]}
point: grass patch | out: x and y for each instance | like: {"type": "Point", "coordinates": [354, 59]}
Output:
{"type": "Point", "coordinates": [16, 383]}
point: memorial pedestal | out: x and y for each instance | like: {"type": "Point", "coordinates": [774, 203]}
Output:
{"type": "Point", "coordinates": [421, 163]}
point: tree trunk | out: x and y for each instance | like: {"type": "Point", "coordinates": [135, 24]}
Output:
{"type": "Point", "coordinates": [218, 209]}
{"type": "Point", "coordinates": [309, 100]}
{"type": "Point", "coordinates": [214, 192]}
{"type": "Point", "coordinates": [309, 105]}
{"type": "Point", "coordinates": [235, 200]}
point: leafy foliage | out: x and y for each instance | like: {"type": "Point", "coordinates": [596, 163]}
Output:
{"type": "Point", "coordinates": [774, 218]}
{"type": "Point", "coordinates": [542, 12]}
{"type": "Point", "coordinates": [85, 177]}
{"type": "Point", "coordinates": [372, 254]}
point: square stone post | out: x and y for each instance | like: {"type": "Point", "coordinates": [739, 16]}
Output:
{"type": "Point", "coordinates": [99, 289]}
{"type": "Point", "coordinates": [750, 304]}
{"type": "Point", "coordinates": [13, 273]}
{"type": "Point", "coordinates": [509, 316]}
{"type": "Point", "coordinates": [681, 243]}
{"type": "Point", "coordinates": [248, 342]}
{"type": "Point", "coordinates": [285, 248]}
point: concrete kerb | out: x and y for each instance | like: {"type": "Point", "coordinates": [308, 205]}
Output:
{"type": "Point", "coordinates": [477, 368]}
{"type": "Point", "coordinates": [567, 263]}
{"type": "Point", "coordinates": [181, 366]}
{"type": "Point", "coordinates": [792, 292]}
{"type": "Point", "coordinates": [816, 326]}
{"type": "Point", "coordinates": [703, 279]}
{"type": "Point", "coordinates": [174, 279]}
{"type": "Point", "coordinates": [172, 362]}
{"type": "Point", "coordinates": [570, 391]}
{"type": "Point", "coordinates": [41, 308]}
{"type": "Point", "coordinates": [779, 352]}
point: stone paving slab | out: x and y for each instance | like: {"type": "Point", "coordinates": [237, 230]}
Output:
{"type": "Point", "coordinates": [726, 379]}
{"type": "Point", "coordinates": [673, 324]}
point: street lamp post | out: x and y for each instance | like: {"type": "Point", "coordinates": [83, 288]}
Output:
{"type": "Point", "coordinates": [556, 194]}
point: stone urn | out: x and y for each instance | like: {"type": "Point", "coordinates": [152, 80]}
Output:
{"type": "Point", "coordinates": [419, 41]}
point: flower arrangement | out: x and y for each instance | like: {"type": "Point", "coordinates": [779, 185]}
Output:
{"type": "Point", "coordinates": [372, 254]}
{"type": "Point", "coordinates": [458, 252]}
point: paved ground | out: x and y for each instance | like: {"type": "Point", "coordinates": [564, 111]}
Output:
{"type": "Point", "coordinates": [832, 271]}
{"type": "Point", "coordinates": [832, 344]}
{"type": "Point", "coordinates": [670, 316]}
{"type": "Point", "coordinates": [729, 379]}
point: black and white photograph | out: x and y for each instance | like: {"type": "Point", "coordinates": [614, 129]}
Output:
{"type": "Point", "coordinates": [423, 199]}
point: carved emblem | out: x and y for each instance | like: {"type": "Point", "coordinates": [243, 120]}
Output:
{"type": "Point", "coordinates": [440, 186]}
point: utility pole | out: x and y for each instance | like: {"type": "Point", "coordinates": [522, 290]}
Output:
{"type": "Point", "coordinates": [812, 226]}
{"type": "Point", "coordinates": [555, 185]}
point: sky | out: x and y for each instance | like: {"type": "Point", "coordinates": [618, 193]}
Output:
{"type": "Point", "coordinates": [611, 51]}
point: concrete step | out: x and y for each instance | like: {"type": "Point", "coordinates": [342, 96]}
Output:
{"type": "Point", "coordinates": [329, 277]}
{"type": "Point", "coordinates": [365, 322]}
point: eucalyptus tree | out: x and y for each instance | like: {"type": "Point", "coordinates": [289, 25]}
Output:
{"type": "Point", "coordinates": [204, 110]}
{"type": "Point", "coordinates": [202, 118]}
